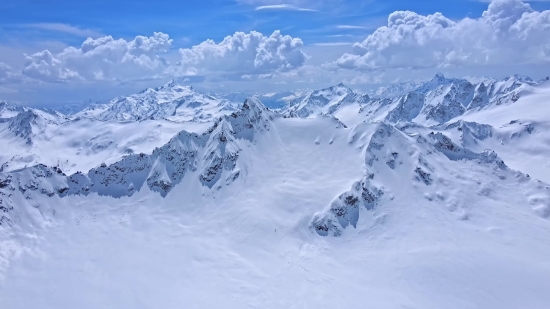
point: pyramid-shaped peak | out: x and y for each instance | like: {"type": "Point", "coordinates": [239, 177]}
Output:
{"type": "Point", "coordinates": [253, 103]}
{"type": "Point", "coordinates": [335, 88]}
{"type": "Point", "coordinates": [439, 76]}
{"type": "Point", "coordinates": [172, 84]}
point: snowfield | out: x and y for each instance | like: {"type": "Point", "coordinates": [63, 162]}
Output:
{"type": "Point", "coordinates": [340, 200]}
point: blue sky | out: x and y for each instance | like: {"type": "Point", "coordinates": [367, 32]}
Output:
{"type": "Point", "coordinates": [326, 31]}
{"type": "Point", "coordinates": [191, 22]}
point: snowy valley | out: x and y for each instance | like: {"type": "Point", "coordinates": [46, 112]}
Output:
{"type": "Point", "coordinates": [419, 195]}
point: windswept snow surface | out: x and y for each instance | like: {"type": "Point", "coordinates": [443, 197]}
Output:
{"type": "Point", "coordinates": [261, 210]}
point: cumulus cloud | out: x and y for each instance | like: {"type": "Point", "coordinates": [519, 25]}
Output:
{"type": "Point", "coordinates": [106, 58]}
{"type": "Point", "coordinates": [101, 58]}
{"type": "Point", "coordinates": [509, 31]}
{"type": "Point", "coordinates": [244, 54]}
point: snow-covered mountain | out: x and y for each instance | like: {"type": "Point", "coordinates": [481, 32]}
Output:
{"type": "Point", "coordinates": [272, 100]}
{"type": "Point", "coordinates": [73, 108]}
{"type": "Point", "coordinates": [436, 101]}
{"type": "Point", "coordinates": [25, 122]}
{"type": "Point", "coordinates": [394, 90]}
{"type": "Point", "coordinates": [415, 198]}
{"type": "Point", "coordinates": [171, 101]}
{"type": "Point", "coordinates": [104, 132]}
{"type": "Point", "coordinates": [324, 102]}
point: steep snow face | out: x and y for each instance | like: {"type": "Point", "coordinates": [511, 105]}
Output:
{"type": "Point", "coordinates": [408, 108]}
{"type": "Point", "coordinates": [447, 101]}
{"type": "Point", "coordinates": [171, 101]}
{"type": "Point", "coordinates": [22, 125]}
{"type": "Point", "coordinates": [325, 101]}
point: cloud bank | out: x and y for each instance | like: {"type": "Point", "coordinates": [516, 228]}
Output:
{"type": "Point", "coordinates": [509, 31]}
{"type": "Point", "coordinates": [106, 58]}
{"type": "Point", "coordinates": [100, 59]}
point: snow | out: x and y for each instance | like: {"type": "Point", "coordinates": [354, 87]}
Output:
{"type": "Point", "coordinates": [171, 101]}
{"type": "Point", "coordinates": [358, 203]}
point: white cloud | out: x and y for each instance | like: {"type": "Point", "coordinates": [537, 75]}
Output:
{"type": "Point", "coordinates": [364, 79]}
{"type": "Point", "coordinates": [64, 28]}
{"type": "Point", "coordinates": [4, 70]}
{"type": "Point", "coordinates": [101, 59]}
{"type": "Point", "coordinates": [109, 59]}
{"type": "Point", "coordinates": [287, 7]}
{"type": "Point", "coordinates": [332, 44]}
{"type": "Point", "coordinates": [509, 31]}
{"type": "Point", "coordinates": [7, 90]}
{"type": "Point", "coordinates": [350, 27]}
{"type": "Point", "coordinates": [244, 54]}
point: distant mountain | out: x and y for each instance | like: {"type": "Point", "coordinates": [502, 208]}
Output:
{"type": "Point", "coordinates": [71, 109]}
{"type": "Point", "coordinates": [435, 101]}
{"type": "Point", "coordinates": [394, 90]}
{"type": "Point", "coordinates": [324, 101]}
{"type": "Point", "coordinates": [273, 100]}
{"type": "Point", "coordinates": [26, 122]}
{"type": "Point", "coordinates": [172, 102]}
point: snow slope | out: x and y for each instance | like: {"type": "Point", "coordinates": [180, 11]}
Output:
{"type": "Point", "coordinates": [319, 216]}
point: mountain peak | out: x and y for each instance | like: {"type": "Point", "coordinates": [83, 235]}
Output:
{"type": "Point", "coordinates": [254, 104]}
{"type": "Point", "coordinates": [439, 76]}
{"type": "Point", "coordinates": [520, 78]}
{"type": "Point", "coordinates": [172, 84]}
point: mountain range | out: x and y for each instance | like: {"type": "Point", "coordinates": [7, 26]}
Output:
{"type": "Point", "coordinates": [433, 194]}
